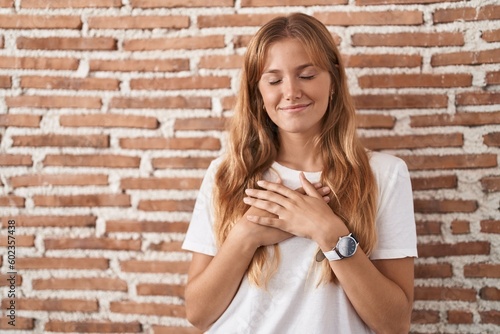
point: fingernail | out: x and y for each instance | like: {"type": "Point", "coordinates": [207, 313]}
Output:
{"type": "Point", "coordinates": [252, 218]}
{"type": "Point", "coordinates": [246, 200]}
{"type": "Point", "coordinates": [260, 183]}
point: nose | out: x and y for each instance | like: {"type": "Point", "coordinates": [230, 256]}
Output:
{"type": "Point", "coordinates": [291, 90]}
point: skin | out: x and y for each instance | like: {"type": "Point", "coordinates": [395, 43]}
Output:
{"type": "Point", "coordinates": [296, 96]}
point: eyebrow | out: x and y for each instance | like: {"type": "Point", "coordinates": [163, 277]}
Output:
{"type": "Point", "coordinates": [298, 68]}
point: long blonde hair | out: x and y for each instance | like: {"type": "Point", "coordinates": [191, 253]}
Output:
{"type": "Point", "coordinates": [254, 144]}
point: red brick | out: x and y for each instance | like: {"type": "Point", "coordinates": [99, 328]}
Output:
{"type": "Point", "coordinates": [15, 160]}
{"type": "Point", "coordinates": [401, 2]}
{"type": "Point", "coordinates": [413, 141]}
{"type": "Point", "coordinates": [466, 14]}
{"type": "Point", "coordinates": [435, 270]}
{"type": "Point", "coordinates": [92, 327]}
{"type": "Point", "coordinates": [160, 183]}
{"type": "Point", "coordinates": [162, 267]}
{"type": "Point", "coordinates": [109, 121]}
{"type": "Point", "coordinates": [463, 118]}
{"type": "Point", "coordinates": [18, 21]}
{"type": "Point", "coordinates": [221, 62]}
{"type": "Point", "coordinates": [67, 43]}
{"type": "Point", "coordinates": [457, 249]}
{"type": "Point", "coordinates": [478, 98]}
{"type": "Point", "coordinates": [166, 205]}
{"type": "Point", "coordinates": [466, 58]}
{"type": "Point", "coordinates": [167, 246]}
{"type": "Point", "coordinates": [162, 143]}
{"type": "Point", "coordinates": [139, 65]}
{"type": "Point", "coordinates": [109, 161]}
{"type": "Point", "coordinates": [58, 305]}
{"type": "Point", "coordinates": [138, 22]}
{"type": "Point", "coordinates": [55, 221]}
{"type": "Point", "coordinates": [180, 3]}
{"type": "Point", "coordinates": [21, 323]}
{"type": "Point", "coordinates": [145, 289]}
{"type": "Point", "coordinates": [491, 36]}
{"type": "Point", "coordinates": [372, 121]}
{"type": "Point", "coordinates": [101, 243]}
{"type": "Point", "coordinates": [493, 78]}
{"type": "Point", "coordinates": [20, 120]}
{"type": "Point", "coordinates": [234, 20]}
{"type": "Point", "coordinates": [465, 161]}
{"type": "Point", "coordinates": [373, 18]}
{"type": "Point", "coordinates": [409, 39]}
{"type": "Point", "coordinates": [444, 206]}
{"type": "Point", "coordinates": [66, 263]}
{"type": "Point", "coordinates": [11, 201]}
{"type": "Point", "coordinates": [174, 330]}
{"type": "Point", "coordinates": [434, 182]}
{"type": "Point", "coordinates": [460, 317]}
{"type": "Point", "coordinates": [490, 317]}
{"type": "Point", "coordinates": [382, 60]}
{"type": "Point", "coordinates": [228, 102]}
{"type": "Point", "coordinates": [460, 227]}
{"type": "Point", "coordinates": [4, 279]}
{"type": "Point", "coordinates": [492, 139]}
{"type": "Point", "coordinates": [444, 293]}
{"type": "Point", "coordinates": [491, 184]}
{"type": "Point", "coordinates": [482, 270]}
{"type": "Point", "coordinates": [38, 63]}
{"type": "Point", "coordinates": [425, 317]}
{"type": "Point", "coordinates": [53, 101]}
{"type": "Point", "coordinates": [6, 4]}
{"type": "Point", "coordinates": [414, 80]}
{"type": "Point", "coordinates": [95, 200]}
{"type": "Point", "coordinates": [168, 102]}
{"type": "Point", "coordinates": [87, 283]}
{"type": "Point", "coordinates": [145, 226]}
{"type": "Point", "coordinates": [21, 241]}
{"type": "Point", "coordinates": [158, 309]}
{"type": "Point", "coordinates": [197, 82]}
{"type": "Point", "coordinates": [400, 101]}
{"type": "Point", "coordinates": [428, 228]}
{"type": "Point", "coordinates": [5, 82]}
{"type": "Point", "coordinates": [181, 162]}
{"type": "Point", "coordinates": [175, 43]}
{"type": "Point", "coordinates": [206, 123]}
{"type": "Point", "coordinates": [271, 3]}
{"type": "Point", "coordinates": [1, 42]}
{"type": "Point", "coordinates": [54, 140]}
{"type": "Point", "coordinates": [489, 293]}
{"type": "Point", "coordinates": [44, 180]}
{"type": "Point", "coordinates": [490, 226]}
{"type": "Point", "coordinates": [69, 83]}
{"type": "Point", "coordinates": [53, 4]}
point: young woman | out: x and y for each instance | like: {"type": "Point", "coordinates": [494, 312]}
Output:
{"type": "Point", "coordinates": [296, 186]}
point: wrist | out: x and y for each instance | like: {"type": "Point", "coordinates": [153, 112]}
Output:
{"type": "Point", "coordinates": [329, 235]}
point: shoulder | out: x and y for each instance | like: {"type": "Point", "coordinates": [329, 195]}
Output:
{"type": "Point", "coordinates": [385, 166]}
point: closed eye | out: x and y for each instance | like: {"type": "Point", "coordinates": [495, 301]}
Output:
{"type": "Point", "coordinates": [307, 77]}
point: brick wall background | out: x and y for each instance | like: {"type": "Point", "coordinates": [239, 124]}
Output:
{"type": "Point", "coordinates": [110, 111]}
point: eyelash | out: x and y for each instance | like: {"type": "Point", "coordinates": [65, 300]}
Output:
{"type": "Point", "coordinates": [309, 77]}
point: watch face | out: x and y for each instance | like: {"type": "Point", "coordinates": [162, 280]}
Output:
{"type": "Point", "coordinates": [347, 246]}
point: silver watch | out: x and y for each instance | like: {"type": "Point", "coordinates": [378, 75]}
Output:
{"type": "Point", "coordinates": [346, 247]}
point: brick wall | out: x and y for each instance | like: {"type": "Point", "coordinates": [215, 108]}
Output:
{"type": "Point", "coordinates": [110, 111]}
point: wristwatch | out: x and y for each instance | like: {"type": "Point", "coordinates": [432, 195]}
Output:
{"type": "Point", "coordinates": [346, 247]}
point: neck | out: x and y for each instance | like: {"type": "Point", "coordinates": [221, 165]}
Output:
{"type": "Point", "coordinates": [299, 152]}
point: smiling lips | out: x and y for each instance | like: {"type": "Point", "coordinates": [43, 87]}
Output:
{"type": "Point", "coordinates": [295, 107]}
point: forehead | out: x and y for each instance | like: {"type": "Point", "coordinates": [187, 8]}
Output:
{"type": "Point", "coordinates": [286, 53]}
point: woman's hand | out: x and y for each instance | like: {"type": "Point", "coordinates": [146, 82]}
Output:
{"type": "Point", "coordinates": [263, 235]}
{"type": "Point", "coordinates": [305, 215]}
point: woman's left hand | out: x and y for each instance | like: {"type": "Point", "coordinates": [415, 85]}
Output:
{"type": "Point", "coordinates": [304, 215]}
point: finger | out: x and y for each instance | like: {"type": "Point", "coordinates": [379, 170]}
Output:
{"type": "Point", "coordinates": [264, 205]}
{"type": "Point", "coordinates": [308, 187]}
{"type": "Point", "coordinates": [267, 221]}
{"type": "Point", "coordinates": [278, 188]}
{"type": "Point", "coordinates": [317, 185]}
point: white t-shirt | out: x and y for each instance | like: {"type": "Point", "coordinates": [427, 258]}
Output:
{"type": "Point", "coordinates": [293, 302]}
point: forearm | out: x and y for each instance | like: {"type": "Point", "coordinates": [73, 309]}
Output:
{"type": "Point", "coordinates": [380, 302]}
{"type": "Point", "coordinates": [210, 293]}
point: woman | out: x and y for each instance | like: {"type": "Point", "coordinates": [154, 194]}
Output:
{"type": "Point", "coordinates": [294, 187]}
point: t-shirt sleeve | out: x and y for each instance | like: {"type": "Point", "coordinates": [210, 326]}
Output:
{"type": "Point", "coordinates": [200, 234]}
{"type": "Point", "coordinates": [395, 222]}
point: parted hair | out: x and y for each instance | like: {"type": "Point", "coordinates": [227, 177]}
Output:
{"type": "Point", "coordinates": [253, 144]}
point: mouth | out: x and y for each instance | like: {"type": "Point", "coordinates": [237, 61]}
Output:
{"type": "Point", "coordinates": [295, 107]}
